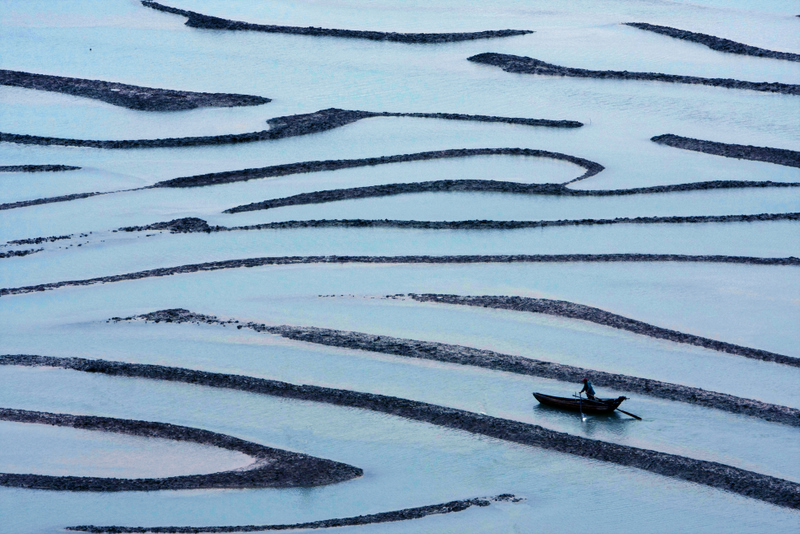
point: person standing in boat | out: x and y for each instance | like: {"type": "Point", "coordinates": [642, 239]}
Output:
{"type": "Point", "coordinates": [587, 387]}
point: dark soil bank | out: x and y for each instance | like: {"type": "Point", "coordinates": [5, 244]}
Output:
{"type": "Point", "coordinates": [512, 225]}
{"type": "Point", "coordinates": [37, 168]}
{"type": "Point", "coordinates": [280, 128]}
{"type": "Point", "coordinates": [385, 517]}
{"type": "Point", "coordinates": [492, 186]}
{"type": "Point", "coordinates": [129, 96]}
{"type": "Point", "coordinates": [591, 167]}
{"type": "Point", "coordinates": [198, 20]}
{"type": "Point", "coordinates": [19, 253]}
{"type": "Point", "coordinates": [715, 43]}
{"type": "Point", "coordinates": [272, 468]}
{"type": "Point", "coordinates": [48, 200]}
{"type": "Point", "coordinates": [527, 65]}
{"type": "Point", "coordinates": [411, 348]}
{"type": "Point", "coordinates": [582, 312]}
{"type": "Point", "coordinates": [766, 488]}
{"type": "Point", "coordinates": [778, 156]}
{"type": "Point", "coordinates": [296, 260]}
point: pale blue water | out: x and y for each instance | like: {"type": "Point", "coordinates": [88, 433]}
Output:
{"type": "Point", "coordinates": [406, 464]}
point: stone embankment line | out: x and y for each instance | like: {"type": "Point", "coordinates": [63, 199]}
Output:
{"type": "Point", "coordinates": [37, 168]}
{"type": "Point", "coordinates": [507, 225]}
{"type": "Point", "coordinates": [492, 186]}
{"type": "Point", "coordinates": [279, 128]}
{"type": "Point", "coordinates": [528, 65]}
{"type": "Point", "coordinates": [715, 43]}
{"type": "Point", "coordinates": [778, 156]}
{"type": "Point", "coordinates": [369, 519]}
{"type": "Point", "coordinates": [198, 20]}
{"type": "Point", "coordinates": [19, 253]}
{"type": "Point", "coordinates": [272, 468]}
{"type": "Point", "coordinates": [444, 352]}
{"type": "Point", "coordinates": [51, 200]}
{"type": "Point", "coordinates": [125, 95]}
{"type": "Point", "coordinates": [747, 483]}
{"type": "Point", "coordinates": [437, 260]}
{"type": "Point", "coordinates": [573, 310]}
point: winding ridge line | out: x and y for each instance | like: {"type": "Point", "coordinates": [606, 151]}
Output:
{"type": "Point", "coordinates": [461, 355]}
{"type": "Point", "coordinates": [715, 43]}
{"type": "Point", "coordinates": [573, 310]}
{"type": "Point", "coordinates": [242, 175]}
{"type": "Point", "coordinates": [280, 128]}
{"type": "Point", "coordinates": [272, 468]}
{"type": "Point", "coordinates": [778, 156]}
{"type": "Point", "coordinates": [464, 259]}
{"type": "Point", "coordinates": [509, 225]}
{"type": "Point", "coordinates": [125, 95]}
{"type": "Point", "coordinates": [369, 519]}
{"type": "Point", "coordinates": [491, 186]}
{"type": "Point", "coordinates": [735, 480]}
{"type": "Point", "coordinates": [198, 20]}
{"type": "Point", "coordinates": [528, 65]}
{"type": "Point", "coordinates": [37, 168]}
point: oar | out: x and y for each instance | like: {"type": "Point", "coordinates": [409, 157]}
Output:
{"type": "Point", "coordinates": [629, 413]}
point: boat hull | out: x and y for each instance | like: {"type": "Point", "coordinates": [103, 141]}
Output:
{"type": "Point", "coordinates": [602, 406]}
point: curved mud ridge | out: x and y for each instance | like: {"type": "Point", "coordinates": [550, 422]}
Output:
{"type": "Point", "coordinates": [198, 20]}
{"type": "Point", "coordinates": [715, 43]}
{"type": "Point", "coordinates": [747, 483]}
{"type": "Point", "coordinates": [528, 65]}
{"type": "Point", "coordinates": [272, 468]}
{"type": "Point", "coordinates": [461, 355]}
{"type": "Point", "coordinates": [280, 128]}
{"type": "Point", "coordinates": [368, 519]}
{"type": "Point", "coordinates": [508, 225]}
{"type": "Point", "coordinates": [125, 95]}
{"type": "Point", "coordinates": [37, 168]}
{"type": "Point", "coordinates": [304, 167]}
{"type": "Point", "coordinates": [573, 310]}
{"type": "Point", "coordinates": [778, 156]}
{"type": "Point", "coordinates": [490, 186]}
{"type": "Point", "coordinates": [463, 259]}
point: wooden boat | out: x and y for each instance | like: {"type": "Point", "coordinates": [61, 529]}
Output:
{"type": "Point", "coordinates": [593, 407]}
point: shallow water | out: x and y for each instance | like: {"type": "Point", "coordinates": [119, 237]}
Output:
{"type": "Point", "coordinates": [44, 450]}
{"type": "Point", "coordinates": [406, 464]}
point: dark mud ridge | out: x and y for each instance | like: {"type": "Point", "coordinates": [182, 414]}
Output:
{"type": "Point", "coordinates": [19, 253]}
{"type": "Point", "coordinates": [572, 310]}
{"type": "Point", "coordinates": [272, 468]}
{"type": "Point", "coordinates": [298, 260]}
{"type": "Point", "coordinates": [128, 96]}
{"type": "Point", "coordinates": [280, 128]}
{"type": "Point", "coordinates": [778, 156]}
{"type": "Point", "coordinates": [715, 43]}
{"type": "Point", "coordinates": [491, 186]}
{"type": "Point", "coordinates": [510, 225]}
{"type": "Point", "coordinates": [443, 352]}
{"type": "Point", "coordinates": [37, 168]}
{"type": "Point", "coordinates": [754, 485]}
{"type": "Point", "coordinates": [198, 20]}
{"type": "Point", "coordinates": [48, 200]}
{"type": "Point", "coordinates": [39, 240]}
{"type": "Point", "coordinates": [527, 65]}
{"type": "Point", "coordinates": [369, 519]}
{"type": "Point", "coordinates": [217, 178]}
